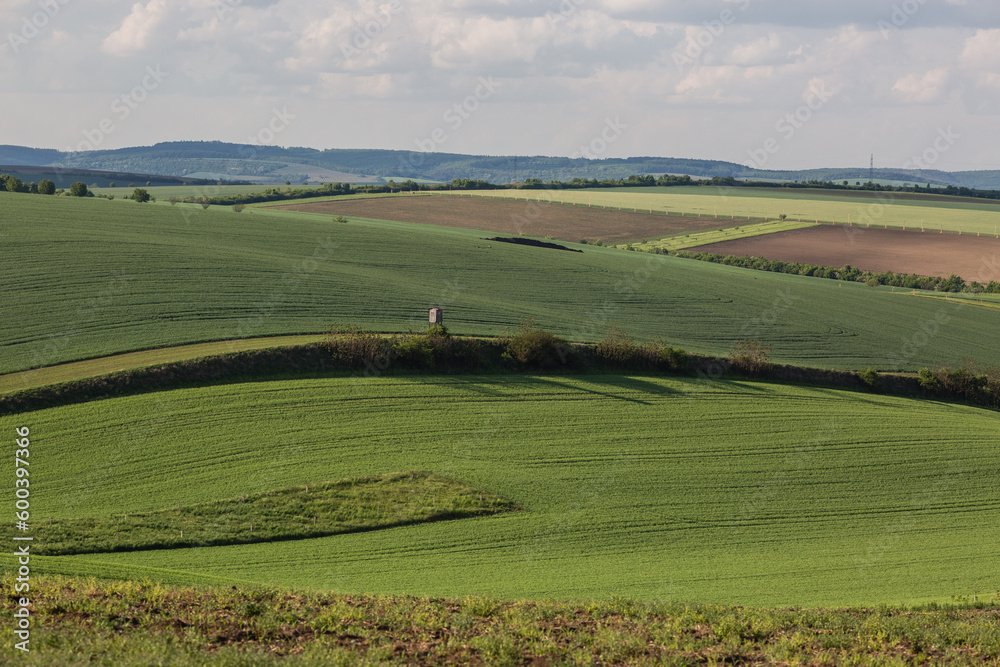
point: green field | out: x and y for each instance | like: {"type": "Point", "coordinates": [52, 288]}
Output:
{"type": "Point", "coordinates": [695, 239]}
{"type": "Point", "coordinates": [163, 192]}
{"type": "Point", "coordinates": [747, 204]}
{"type": "Point", "coordinates": [90, 278]}
{"type": "Point", "coordinates": [373, 502]}
{"type": "Point", "coordinates": [126, 623]}
{"type": "Point", "coordinates": [650, 488]}
{"type": "Point", "coordinates": [90, 368]}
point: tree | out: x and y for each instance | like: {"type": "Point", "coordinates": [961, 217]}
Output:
{"type": "Point", "coordinates": [46, 187]}
{"type": "Point", "coordinates": [140, 195]}
{"type": "Point", "coordinates": [14, 184]}
{"type": "Point", "coordinates": [78, 189]}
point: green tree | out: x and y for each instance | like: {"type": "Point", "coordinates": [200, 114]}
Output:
{"type": "Point", "coordinates": [140, 195]}
{"type": "Point", "coordinates": [46, 187]}
{"type": "Point", "coordinates": [14, 184]}
{"type": "Point", "coordinates": [78, 189]}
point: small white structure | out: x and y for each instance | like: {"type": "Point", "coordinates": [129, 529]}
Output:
{"type": "Point", "coordinates": [436, 316]}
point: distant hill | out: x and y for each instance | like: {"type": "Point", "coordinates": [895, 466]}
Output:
{"type": "Point", "coordinates": [63, 177]}
{"type": "Point", "coordinates": [215, 160]}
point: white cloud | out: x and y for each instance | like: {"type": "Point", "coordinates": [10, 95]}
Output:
{"type": "Point", "coordinates": [924, 88]}
{"type": "Point", "coordinates": [135, 31]}
{"type": "Point", "coordinates": [756, 52]}
{"type": "Point", "coordinates": [600, 58]}
{"type": "Point", "coordinates": [982, 50]}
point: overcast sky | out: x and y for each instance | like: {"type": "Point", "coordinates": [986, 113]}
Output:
{"type": "Point", "coordinates": [783, 84]}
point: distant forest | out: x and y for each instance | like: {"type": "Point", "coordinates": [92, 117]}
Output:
{"type": "Point", "coordinates": [276, 165]}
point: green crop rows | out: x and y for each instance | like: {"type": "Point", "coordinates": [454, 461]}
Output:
{"type": "Point", "coordinates": [650, 488]}
{"type": "Point", "coordinates": [90, 278]}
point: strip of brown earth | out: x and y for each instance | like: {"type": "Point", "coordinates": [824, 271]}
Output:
{"type": "Point", "coordinates": [560, 221]}
{"type": "Point", "coordinates": [974, 258]}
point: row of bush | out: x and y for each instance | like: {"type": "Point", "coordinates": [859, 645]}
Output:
{"type": "Point", "coordinates": [847, 273]}
{"type": "Point", "coordinates": [78, 189]}
{"type": "Point", "coordinates": [968, 381]}
{"type": "Point", "coordinates": [528, 348]}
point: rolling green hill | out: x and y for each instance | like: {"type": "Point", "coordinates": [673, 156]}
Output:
{"type": "Point", "coordinates": [87, 278]}
{"type": "Point", "coordinates": [650, 488]}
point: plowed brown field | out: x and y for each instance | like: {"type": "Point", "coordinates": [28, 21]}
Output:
{"type": "Point", "coordinates": [924, 253]}
{"type": "Point", "coordinates": [561, 221]}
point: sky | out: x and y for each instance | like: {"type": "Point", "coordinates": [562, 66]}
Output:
{"type": "Point", "coordinates": [775, 84]}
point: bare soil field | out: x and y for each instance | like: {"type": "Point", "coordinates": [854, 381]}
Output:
{"type": "Point", "coordinates": [561, 221]}
{"type": "Point", "coordinates": [924, 253]}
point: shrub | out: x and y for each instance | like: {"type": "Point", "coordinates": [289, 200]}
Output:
{"type": "Point", "coordinates": [617, 348]}
{"type": "Point", "coordinates": [928, 380]}
{"type": "Point", "coordinates": [239, 207]}
{"type": "Point", "coordinates": [534, 348]}
{"type": "Point", "coordinates": [425, 349]}
{"type": "Point", "coordinates": [205, 203]}
{"type": "Point", "coordinates": [676, 359]}
{"type": "Point", "coordinates": [78, 189]}
{"type": "Point", "coordinates": [353, 347]}
{"type": "Point", "coordinates": [870, 377]}
{"type": "Point", "coordinates": [140, 195]}
{"type": "Point", "coordinates": [751, 357]}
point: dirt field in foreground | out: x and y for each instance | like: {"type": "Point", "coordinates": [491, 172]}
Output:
{"type": "Point", "coordinates": [923, 253]}
{"type": "Point", "coordinates": [561, 221]}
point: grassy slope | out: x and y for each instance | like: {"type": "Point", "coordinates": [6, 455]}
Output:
{"type": "Point", "coordinates": [308, 511]}
{"type": "Point", "coordinates": [90, 368]}
{"type": "Point", "coordinates": [125, 623]}
{"type": "Point", "coordinates": [695, 239]}
{"type": "Point", "coordinates": [650, 488]}
{"type": "Point", "coordinates": [90, 278]}
{"type": "Point", "coordinates": [739, 203]}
